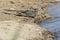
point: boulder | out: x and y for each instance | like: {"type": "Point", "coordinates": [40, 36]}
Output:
{"type": "Point", "coordinates": [18, 30]}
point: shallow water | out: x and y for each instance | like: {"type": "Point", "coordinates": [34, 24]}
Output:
{"type": "Point", "coordinates": [54, 24]}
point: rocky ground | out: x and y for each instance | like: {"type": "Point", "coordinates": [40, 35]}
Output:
{"type": "Point", "coordinates": [17, 19]}
{"type": "Point", "coordinates": [14, 7]}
